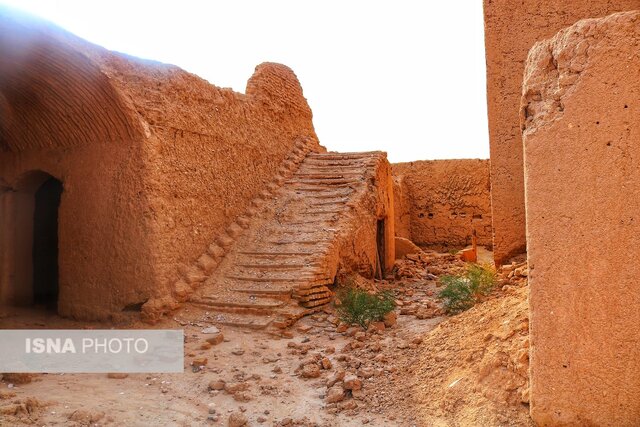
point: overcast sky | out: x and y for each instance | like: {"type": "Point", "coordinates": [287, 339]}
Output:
{"type": "Point", "coordinates": [406, 77]}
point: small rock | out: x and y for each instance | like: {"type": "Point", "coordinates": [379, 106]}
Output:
{"type": "Point", "coordinates": [212, 408]}
{"type": "Point", "coordinates": [237, 352]}
{"type": "Point", "coordinates": [334, 395]}
{"type": "Point", "coordinates": [342, 328]}
{"type": "Point", "coordinates": [335, 378]}
{"type": "Point", "coordinates": [215, 339]}
{"type": "Point", "coordinates": [351, 382]}
{"type": "Point", "coordinates": [366, 372]}
{"type": "Point", "coordinates": [311, 371]}
{"type": "Point", "coordinates": [376, 326]}
{"type": "Point", "coordinates": [326, 363]}
{"type": "Point", "coordinates": [200, 361]}
{"type": "Point", "coordinates": [390, 319]}
{"type": "Point", "coordinates": [217, 385]}
{"type": "Point", "coordinates": [242, 396]}
{"type": "Point", "coordinates": [349, 404]}
{"type": "Point", "coordinates": [211, 330]}
{"type": "Point", "coordinates": [117, 375]}
{"type": "Point", "coordinates": [233, 388]}
{"type": "Point", "coordinates": [238, 419]}
{"type": "Point", "coordinates": [86, 417]}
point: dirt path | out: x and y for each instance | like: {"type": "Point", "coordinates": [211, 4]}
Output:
{"type": "Point", "coordinates": [319, 373]}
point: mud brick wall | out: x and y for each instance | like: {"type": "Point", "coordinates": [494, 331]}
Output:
{"type": "Point", "coordinates": [581, 117]}
{"type": "Point", "coordinates": [155, 162]}
{"type": "Point", "coordinates": [444, 200]}
{"type": "Point", "coordinates": [511, 28]}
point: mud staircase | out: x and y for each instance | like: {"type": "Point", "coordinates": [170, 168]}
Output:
{"type": "Point", "coordinates": [283, 266]}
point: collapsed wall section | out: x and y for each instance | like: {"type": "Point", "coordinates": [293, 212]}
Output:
{"type": "Point", "coordinates": [581, 127]}
{"type": "Point", "coordinates": [444, 201]}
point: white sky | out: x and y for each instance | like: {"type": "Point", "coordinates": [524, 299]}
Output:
{"type": "Point", "coordinates": [403, 76]}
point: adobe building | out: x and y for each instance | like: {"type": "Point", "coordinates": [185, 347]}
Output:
{"type": "Point", "coordinates": [122, 178]}
{"type": "Point", "coordinates": [511, 29]}
{"type": "Point", "coordinates": [441, 203]}
{"type": "Point", "coordinates": [580, 115]}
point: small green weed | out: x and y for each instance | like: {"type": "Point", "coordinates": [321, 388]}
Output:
{"type": "Point", "coordinates": [357, 306]}
{"type": "Point", "coordinates": [460, 293]}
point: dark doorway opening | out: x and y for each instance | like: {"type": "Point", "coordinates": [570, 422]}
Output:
{"type": "Point", "coordinates": [380, 248]}
{"type": "Point", "coordinates": [45, 243]}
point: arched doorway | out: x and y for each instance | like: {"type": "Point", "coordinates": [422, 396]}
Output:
{"type": "Point", "coordinates": [29, 243]}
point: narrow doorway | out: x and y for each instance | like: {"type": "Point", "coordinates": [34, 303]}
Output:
{"type": "Point", "coordinates": [45, 243]}
{"type": "Point", "coordinates": [380, 248]}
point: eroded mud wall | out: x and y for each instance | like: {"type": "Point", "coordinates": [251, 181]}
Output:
{"type": "Point", "coordinates": [581, 118]}
{"type": "Point", "coordinates": [401, 208]}
{"type": "Point", "coordinates": [155, 162]}
{"type": "Point", "coordinates": [211, 150]}
{"type": "Point", "coordinates": [61, 116]}
{"type": "Point", "coordinates": [445, 200]}
{"type": "Point", "coordinates": [357, 245]}
{"type": "Point", "coordinates": [511, 28]}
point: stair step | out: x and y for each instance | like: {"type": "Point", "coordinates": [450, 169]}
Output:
{"type": "Point", "coordinates": [274, 266]}
{"type": "Point", "coordinates": [316, 303]}
{"type": "Point", "coordinates": [324, 211]}
{"type": "Point", "coordinates": [299, 242]}
{"type": "Point", "coordinates": [267, 289]}
{"type": "Point", "coordinates": [244, 320]}
{"type": "Point", "coordinates": [309, 287]}
{"type": "Point", "coordinates": [345, 155]}
{"type": "Point", "coordinates": [240, 301]}
{"type": "Point", "coordinates": [315, 297]}
{"type": "Point", "coordinates": [293, 231]}
{"type": "Point", "coordinates": [332, 181]}
{"type": "Point", "coordinates": [270, 279]}
{"type": "Point", "coordinates": [319, 166]}
{"type": "Point", "coordinates": [320, 186]}
{"type": "Point", "coordinates": [300, 292]}
{"type": "Point", "coordinates": [329, 195]}
{"type": "Point", "coordinates": [315, 220]}
{"type": "Point", "coordinates": [329, 176]}
{"type": "Point", "coordinates": [276, 253]}
{"type": "Point", "coordinates": [338, 201]}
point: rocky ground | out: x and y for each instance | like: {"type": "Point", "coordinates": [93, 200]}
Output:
{"type": "Point", "coordinates": [419, 367]}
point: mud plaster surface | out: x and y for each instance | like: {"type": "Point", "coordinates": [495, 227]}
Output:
{"type": "Point", "coordinates": [511, 29]}
{"type": "Point", "coordinates": [441, 202]}
{"type": "Point", "coordinates": [581, 130]}
{"type": "Point", "coordinates": [155, 162]}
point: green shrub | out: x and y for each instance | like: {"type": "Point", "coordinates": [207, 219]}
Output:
{"type": "Point", "coordinates": [460, 293]}
{"type": "Point", "coordinates": [357, 306]}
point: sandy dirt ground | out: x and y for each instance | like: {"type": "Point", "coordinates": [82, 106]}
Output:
{"type": "Point", "coordinates": [426, 369]}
